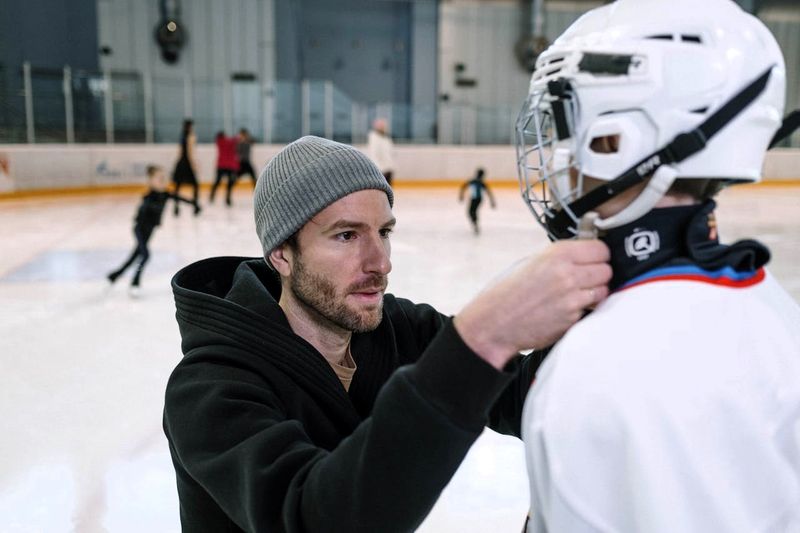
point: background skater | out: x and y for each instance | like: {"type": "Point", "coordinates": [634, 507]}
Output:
{"type": "Point", "coordinates": [244, 148]}
{"type": "Point", "coordinates": [380, 148]}
{"type": "Point", "coordinates": [148, 216]}
{"type": "Point", "coordinates": [476, 187]}
{"type": "Point", "coordinates": [227, 166]}
{"type": "Point", "coordinates": [186, 167]}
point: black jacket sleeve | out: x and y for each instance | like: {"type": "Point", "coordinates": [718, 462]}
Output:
{"type": "Point", "coordinates": [179, 198]}
{"type": "Point", "coordinates": [506, 413]}
{"type": "Point", "coordinates": [264, 472]}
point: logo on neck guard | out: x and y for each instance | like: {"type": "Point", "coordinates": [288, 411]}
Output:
{"type": "Point", "coordinates": [641, 244]}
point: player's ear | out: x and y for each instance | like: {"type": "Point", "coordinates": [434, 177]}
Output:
{"type": "Point", "coordinates": [281, 259]}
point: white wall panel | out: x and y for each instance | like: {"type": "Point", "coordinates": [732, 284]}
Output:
{"type": "Point", "coordinates": [481, 36]}
{"type": "Point", "coordinates": [223, 37]}
{"type": "Point", "coordinates": [85, 165]}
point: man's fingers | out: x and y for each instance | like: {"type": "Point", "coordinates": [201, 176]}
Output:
{"type": "Point", "coordinates": [586, 251]}
{"type": "Point", "coordinates": [589, 298]}
{"type": "Point", "coordinates": [595, 295]}
{"type": "Point", "coordinates": [593, 275]}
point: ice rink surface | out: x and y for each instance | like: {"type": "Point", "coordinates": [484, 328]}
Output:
{"type": "Point", "coordinates": [84, 365]}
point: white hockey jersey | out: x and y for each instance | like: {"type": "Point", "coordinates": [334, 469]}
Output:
{"type": "Point", "coordinates": [673, 407]}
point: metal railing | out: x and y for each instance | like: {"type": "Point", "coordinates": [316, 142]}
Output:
{"type": "Point", "coordinates": [76, 106]}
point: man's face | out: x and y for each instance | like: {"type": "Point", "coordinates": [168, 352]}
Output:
{"type": "Point", "coordinates": [340, 265]}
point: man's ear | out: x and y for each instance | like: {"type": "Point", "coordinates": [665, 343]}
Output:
{"type": "Point", "coordinates": [281, 259]}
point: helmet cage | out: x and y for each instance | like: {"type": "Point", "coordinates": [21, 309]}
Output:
{"type": "Point", "coordinates": [550, 175]}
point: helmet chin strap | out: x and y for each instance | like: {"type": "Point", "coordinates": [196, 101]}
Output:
{"type": "Point", "coordinates": [656, 188]}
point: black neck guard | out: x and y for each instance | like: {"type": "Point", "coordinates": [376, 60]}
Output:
{"type": "Point", "coordinates": [677, 236]}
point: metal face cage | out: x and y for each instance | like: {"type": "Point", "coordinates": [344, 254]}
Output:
{"type": "Point", "coordinates": [547, 157]}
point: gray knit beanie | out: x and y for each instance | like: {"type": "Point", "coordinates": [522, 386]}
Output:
{"type": "Point", "coordinates": [303, 179]}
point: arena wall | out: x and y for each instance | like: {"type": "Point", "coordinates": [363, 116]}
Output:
{"type": "Point", "coordinates": [56, 167]}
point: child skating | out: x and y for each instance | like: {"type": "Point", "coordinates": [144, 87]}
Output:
{"type": "Point", "coordinates": [476, 187]}
{"type": "Point", "coordinates": [148, 217]}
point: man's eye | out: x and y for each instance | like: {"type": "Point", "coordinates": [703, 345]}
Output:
{"type": "Point", "coordinates": [346, 235]}
{"type": "Point", "coordinates": [386, 232]}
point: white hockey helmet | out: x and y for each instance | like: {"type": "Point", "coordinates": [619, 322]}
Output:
{"type": "Point", "coordinates": [687, 89]}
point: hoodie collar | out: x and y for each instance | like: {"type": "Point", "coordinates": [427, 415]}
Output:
{"type": "Point", "coordinates": [257, 288]}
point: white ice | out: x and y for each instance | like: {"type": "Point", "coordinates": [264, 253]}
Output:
{"type": "Point", "coordinates": [84, 365]}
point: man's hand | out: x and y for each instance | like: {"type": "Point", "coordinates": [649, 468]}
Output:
{"type": "Point", "coordinates": [536, 303]}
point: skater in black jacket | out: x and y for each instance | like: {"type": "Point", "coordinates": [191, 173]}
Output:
{"type": "Point", "coordinates": [148, 216]}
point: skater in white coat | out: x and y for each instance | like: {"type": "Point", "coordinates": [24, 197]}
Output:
{"type": "Point", "coordinates": [380, 148]}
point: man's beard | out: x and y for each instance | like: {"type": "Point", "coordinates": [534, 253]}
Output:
{"type": "Point", "coordinates": [319, 295]}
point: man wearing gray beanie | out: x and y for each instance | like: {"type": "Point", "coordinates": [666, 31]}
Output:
{"type": "Point", "coordinates": [309, 400]}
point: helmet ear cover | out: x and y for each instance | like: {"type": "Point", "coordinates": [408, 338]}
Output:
{"type": "Point", "coordinates": [613, 140]}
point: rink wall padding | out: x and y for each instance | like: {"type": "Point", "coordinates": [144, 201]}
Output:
{"type": "Point", "coordinates": [48, 168]}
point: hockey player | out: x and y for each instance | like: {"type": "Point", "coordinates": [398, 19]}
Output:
{"type": "Point", "coordinates": [674, 405]}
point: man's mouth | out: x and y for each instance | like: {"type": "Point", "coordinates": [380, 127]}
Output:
{"type": "Point", "coordinates": [370, 295]}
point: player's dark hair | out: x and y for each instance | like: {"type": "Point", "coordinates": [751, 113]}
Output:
{"type": "Point", "coordinates": [151, 170]}
{"type": "Point", "coordinates": [699, 189]}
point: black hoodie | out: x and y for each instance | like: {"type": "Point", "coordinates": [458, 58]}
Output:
{"type": "Point", "coordinates": [265, 438]}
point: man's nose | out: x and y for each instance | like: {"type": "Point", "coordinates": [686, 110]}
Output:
{"type": "Point", "coordinates": [377, 255]}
